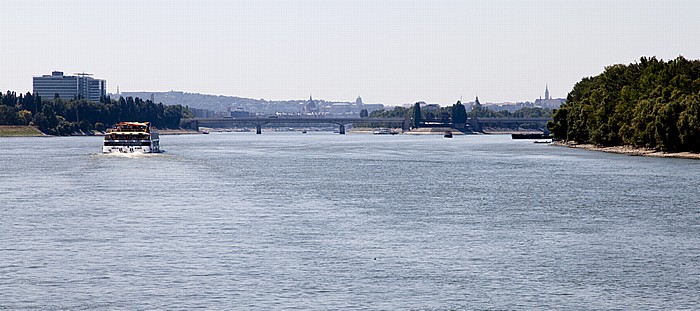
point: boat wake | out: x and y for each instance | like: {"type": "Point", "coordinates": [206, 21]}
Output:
{"type": "Point", "coordinates": [131, 155]}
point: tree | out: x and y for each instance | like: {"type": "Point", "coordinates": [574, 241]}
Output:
{"type": "Point", "coordinates": [397, 112]}
{"type": "Point", "coordinates": [689, 124]}
{"type": "Point", "coordinates": [46, 120]}
{"type": "Point", "coordinates": [24, 117]}
{"type": "Point", "coordinates": [37, 104]}
{"type": "Point", "coordinates": [417, 118]}
{"type": "Point", "coordinates": [8, 115]}
{"type": "Point", "coordinates": [364, 113]}
{"type": "Point", "coordinates": [9, 99]}
{"type": "Point", "coordinates": [459, 115]}
{"type": "Point", "coordinates": [99, 126]}
{"type": "Point", "coordinates": [558, 124]}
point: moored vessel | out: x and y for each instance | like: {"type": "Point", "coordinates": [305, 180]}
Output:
{"type": "Point", "coordinates": [382, 131]}
{"type": "Point", "coordinates": [131, 137]}
{"type": "Point", "coordinates": [530, 136]}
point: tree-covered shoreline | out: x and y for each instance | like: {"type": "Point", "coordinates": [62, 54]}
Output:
{"type": "Point", "coordinates": [647, 104]}
{"type": "Point", "coordinates": [457, 114]}
{"type": "Point", "coordinates": [80, 116]}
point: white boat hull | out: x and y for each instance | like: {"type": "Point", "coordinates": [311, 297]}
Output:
{"type": "Point", "coordinates": [131, 137]}
{"type": "Point", "coordinates": [129, 149]}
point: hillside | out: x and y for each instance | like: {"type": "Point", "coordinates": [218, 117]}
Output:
{"type": "Point", "coordinates": [223, 103]}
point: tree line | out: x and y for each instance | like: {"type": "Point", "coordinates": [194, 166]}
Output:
{"type": "Point", "coordinates": [66, 117]}
{"type": "Point", "coordinates": [456, 115]}
{"type": "Point", "coordinates": [650, 103]}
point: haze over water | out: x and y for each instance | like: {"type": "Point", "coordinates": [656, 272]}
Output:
{"type": "Point", "coordinates": [326, 221]}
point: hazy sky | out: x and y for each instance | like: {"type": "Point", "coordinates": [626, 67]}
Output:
{"type": "Point", "coordinates": [390, 52]}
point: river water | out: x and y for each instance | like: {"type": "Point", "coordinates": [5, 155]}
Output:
{"type": "Point", "coordinates": [328, 221]}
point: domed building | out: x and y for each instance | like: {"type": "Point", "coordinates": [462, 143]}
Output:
{"type": "Point", "coordinates": [311, 106]}
{"type": "Point", "coordinates": [358, 101]}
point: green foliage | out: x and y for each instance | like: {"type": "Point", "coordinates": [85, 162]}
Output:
{"type": "Point", "coordinates": [99, 126]}
{"type": "Point", "coordinates": [480, 111]}
{"type": "Point", "coordinates": [459, 115]}
{"type": "Point", "coordinates": [417, 116]}
{"type": "Point", "coordinates": [8, 115]}
{"type": "Point", "coordinates": [364, 113]}
{"type": "Point", "coordinates": [456, 115]}
{"type": "Point", "coordinates": [650, 103]}
{"type": "Point", "coordinates": [397, 112]}
{"type": "Point", "coordinates": [24, 117]}
{"type": "Point", "coordinates": [61, 117]}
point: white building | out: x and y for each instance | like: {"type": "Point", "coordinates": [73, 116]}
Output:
{"type": "Point", "coordinates": [548, 102]}
{"type": "Point", "coordinates": [69, 87]}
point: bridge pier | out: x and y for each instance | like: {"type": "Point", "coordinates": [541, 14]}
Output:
{"type": "Point", "coordinates": [474, 124]}
{"type": "Point", "coordinates": [189, 124]}
{"type": "Point", "coordinates": [258, 129]}
{"type": "Point", "coordinates": [342, 129]}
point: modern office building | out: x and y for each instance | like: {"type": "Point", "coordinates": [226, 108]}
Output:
{"type": "Point", "coordinates": [69, 87]}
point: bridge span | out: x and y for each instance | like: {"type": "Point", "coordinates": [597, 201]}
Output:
{"type": "Point", "coordinates": [476, 123]}
{"type": "Point", "coordinates": [195, 123]}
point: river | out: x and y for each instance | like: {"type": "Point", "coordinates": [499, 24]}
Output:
{"type": "Point", "coordinates": [328, 221]}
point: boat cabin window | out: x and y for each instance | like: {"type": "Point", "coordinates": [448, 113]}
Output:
{"type": "Point", "coordinates": [134, 136]}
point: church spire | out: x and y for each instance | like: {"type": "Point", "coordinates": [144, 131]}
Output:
{"type": "Point", "coordinates": [546, 92]}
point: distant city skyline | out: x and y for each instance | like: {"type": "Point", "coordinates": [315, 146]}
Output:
{"type": "Point", "coordinates": [390, 52]}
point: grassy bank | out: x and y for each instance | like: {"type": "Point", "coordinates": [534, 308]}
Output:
{"type": "Point", "coordinates": [19, 131]}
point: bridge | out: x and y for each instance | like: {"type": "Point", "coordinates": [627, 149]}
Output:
{"type": "Point", "coordinates": [195, 123]}
{"type": "Point", "coordinates": [476, 123]}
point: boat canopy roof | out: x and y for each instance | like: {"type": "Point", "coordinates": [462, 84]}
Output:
{"type": "Point", "coordinates": [133, 124]}
{"type": "Point", "coordinates": [131, 127]}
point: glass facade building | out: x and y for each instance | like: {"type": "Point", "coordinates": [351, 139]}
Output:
{"type": "Point", "coordinates": [69, 87]}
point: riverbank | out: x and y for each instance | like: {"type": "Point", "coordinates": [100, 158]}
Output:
{"type": "Point", "coordinates": [434, 131]}
{"type": "Point", "coordinates": [20, 131]}
{"type": "Point", "coordinates": [178, 132]}
{"type": "Point", "coordinates": [33, 131]}
{"type": "Point", "coordinates": [508, 132]}
{"type": "Point", "coordinates": [370, 130]}
{"type": "Point", "coordinates": [629, 150]}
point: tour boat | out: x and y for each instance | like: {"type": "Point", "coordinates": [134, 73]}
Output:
{"type": "Point", "coordinates": [131, 137]}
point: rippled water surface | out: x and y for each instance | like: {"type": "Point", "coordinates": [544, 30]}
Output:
{"type": "Point", "coordinates": [327, 221]}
